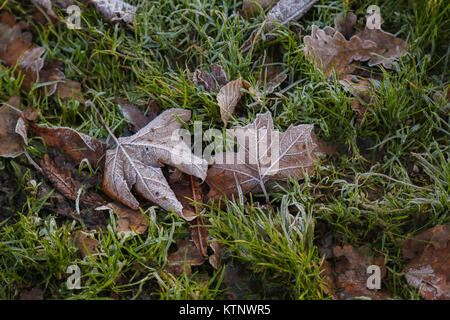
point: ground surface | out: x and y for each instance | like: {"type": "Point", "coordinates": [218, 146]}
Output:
{"type": "Point", "coordinates": [389, 179]}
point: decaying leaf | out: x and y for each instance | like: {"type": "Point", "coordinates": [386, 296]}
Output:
{"type": "Point", "coordinates": [269, 154]}
{"type": "Point", "coordinates": [229, 96]}
{"type": "Point", "coordinates": [16, 49]}
{"type": "Point", "coordinates": [332, 51]}
{"type": "Point", "coordinates": [86, 244]}
{"type": "Point", "coordinates": [76, 145]}
{"type": "Point", "coordinates": [65, 182]}
{"type": "Point", "coordinates": [186, 256]}
{"type": "Point", "coordinates": [136, 160]}
{"type": "Point", "coordinates": [131, 222]}
{"type": "Point", "coordinates": [115, 10]}
{"type": "Point", "coordinates": [429, 268]}
{"type": "Point", "coordinates": [283, 12]}
{"type": "Point", "coordinates": [135, 116]}
{"type": "Point", "coordinates": [347, 277]}
{"type": "Point", "coordinates": [217, 78]}
{"type": "Point", "coordinates": [13, 136]}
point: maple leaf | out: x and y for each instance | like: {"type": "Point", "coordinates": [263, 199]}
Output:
{"type": "Point", "coordinates": [270, 155]}
{"type": "Point", "coordinates": [136, 161]}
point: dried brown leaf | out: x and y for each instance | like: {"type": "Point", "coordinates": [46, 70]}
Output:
{"type": "Point", "coordinates": [86, 244]}
{"type": "Point", "coordinates": [76, 145]}
{"type": "Point", "coordinates": [269, 154]}
{"type": "Point", "coordinates": [13, 136]}
{"type": "Point", "coordinates": [217, 78]}
{"type": "Point", "coordinates": [186, 256]}
{"type": "Point", "coordinates": [131, 222]}
{"type": "Point", "coordinates": [345, 24]}
{"type": "Point", "coordinates": [429, 268]}
{"type": "Point", "coordinates": [64, 180]}
{"type": "Point", "coordinates": [331, 50]}
{"type": "Point", "coordinates": [348, 276]}
{"type": "Point", "coordinates": [136, 161]}
{"type": "Point", "coordinates": [229, 96]}
{"type": "Point", "coordinates": [216, 258]}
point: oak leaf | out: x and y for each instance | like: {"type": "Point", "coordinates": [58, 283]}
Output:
{"type": "Point", "coordinates": [136, 163]}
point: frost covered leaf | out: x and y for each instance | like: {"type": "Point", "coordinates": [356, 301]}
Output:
{"type": "Point", "coordinates": [392, 48]}
{"type": "Point", "coordinates": [429, 268]}
{"type": "Point", "coordinates": [346, 276]}
{"type": "Point", "coordinates": [12, 132]}
{"type": "Point", "coordinates": [67, 184]}
{"type": "Point", "coordinates": [331, 50]}
{"type": "Point", "coordinates": [345, 24]}
{"type": "Point", "coordinates": [229, 96]}
{"type": "Point", "coordinates": [264, 154]}
{"type": "Point", "coordinates": [283, 12]}
{"type": "Point", "coordinates": [130, 222]}
{"type": "Point", "coordinates": [217, 78]}
{"type": "Point", "coordinates": [137, 160]}
{"type": "Point", "coordinates": [76, 145]}
{"type": "Point", "coordinates": [115, 10]}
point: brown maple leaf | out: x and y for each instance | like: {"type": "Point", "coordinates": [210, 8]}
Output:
{"type": "Point", "coordinates": [136, 163]}
{"type": "Point", "coordinates": [269, 154]}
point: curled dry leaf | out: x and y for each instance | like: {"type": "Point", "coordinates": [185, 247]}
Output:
{"type": "Point", "coordinates": [217, 78]}
{"type": "Point", "coordinates": [283, 12]}
{"type": "Point", "coordinates": [130, 223]}
{"type": "Point", "coordinates": [116, 10]}
{"type": "Point", "coordinates": [76, 145]}
{"type": "Point", "coordinates": [229, 96]}
{"type": "Point", "coordinates": [345, 24]}
{"type": "Point", "coordinates": [186, 256]}
{"type": "Point", "coordinates": [13, 136]}
{"type": "Point", "coordinates": [269, 154]}
{"type": "Point", "coordinates": [136, 161]}
{"type": "Point", "coordinates": [429, 267]}
{"type": "Point", "coordinates": [347, 278]}
{"type": "Point", "coordinates": [67, 184]}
